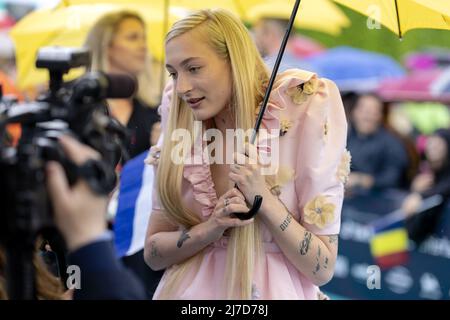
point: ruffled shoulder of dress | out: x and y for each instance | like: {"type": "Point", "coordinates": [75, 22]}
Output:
{"type": "Point", "coordinates": [292, 88]}
{"type": "Point", "coordinates": [296, 86]}
{"type": "Point", "coordinates": [293, 77]}
{"type": "Point", "coordinates": [199, 176]}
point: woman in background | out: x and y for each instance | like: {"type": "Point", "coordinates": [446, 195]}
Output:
{"type": "Point", "coordinates": [433, 180]}
{"type": "Point", "coordinates": [118, 45]}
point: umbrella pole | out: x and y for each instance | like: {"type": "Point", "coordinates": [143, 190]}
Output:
{"type": "Point", "coordinates": [398, 21]}
{"type": "Point", "coordinates": [258, 199]}
{"type": "Point", "coordinates": [165, 29]}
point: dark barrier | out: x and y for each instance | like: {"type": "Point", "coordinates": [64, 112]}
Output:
{"type": "Point", "coordinates": [426, 275]}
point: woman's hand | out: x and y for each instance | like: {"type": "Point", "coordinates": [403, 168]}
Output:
{"type": "Point", "coordinates": [359, 179]}
{"type": "Point", "coordinates": [221, 219]}
{"type": "Point", "coordinates": [411, 204]}
{"type": "Point", "coordinates": [246, 174]}
{"type": "Point", "coordinates": [422, 182]}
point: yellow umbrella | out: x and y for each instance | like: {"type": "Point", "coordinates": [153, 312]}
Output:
{"type": "Point", "coordinates": [400, 16]}
{"type": "Point", "coordinates": [68, 26]}
{"type": "Point", "coordinates": [442, 6]}
{"type": "Point", "coordinates": [69, 23]}
{"type": "Point", "coordinates": [311, 12]}
{"type": "Point", "coordinates": [310, 16]}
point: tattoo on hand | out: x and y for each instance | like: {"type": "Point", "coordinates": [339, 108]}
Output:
{"type": "Point", "coordinates": [286, 222]}
{"type": "Point", "coordinates": [333, 238]}
{"type": "Point", "coordinates": [184, 236]}
{"type": "Point", "coordinates": [154, 250]}
{"type": "Point", "coordinates": [304, 245]}
{"type": "Point", "coordinates": [316, 269]}
{"type": "Point", "coordinates": [326, 263]}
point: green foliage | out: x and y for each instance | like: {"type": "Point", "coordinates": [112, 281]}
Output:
{"type": "Point", "coordinates": [381, 40]}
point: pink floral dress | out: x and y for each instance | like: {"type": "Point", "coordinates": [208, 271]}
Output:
{"type": "Point", "coordinates": [309, 115]}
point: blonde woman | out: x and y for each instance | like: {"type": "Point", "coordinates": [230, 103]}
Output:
{"type": "Point", "coordinates": [290, 247]}
{"type": "Point", "coordinates": [118, 45]}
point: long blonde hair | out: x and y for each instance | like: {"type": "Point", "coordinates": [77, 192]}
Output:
{"type": "Point", "coordinates": [231, 41]}
{"type": "Point", "coordinates": [99, 40]}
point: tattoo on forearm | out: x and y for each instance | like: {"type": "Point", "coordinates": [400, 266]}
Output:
{"type": "Point", "coordinates": [286, 222]}
{"type": "Point", "coordinates": [154, 250]}
{"type": "Point", "coordinates": [304, 245]}
{"type": "Point", "coordinates": [326, 263]}
{"type": "Point", "coordinates": [316, 269]}
{"type": "Point", "coordinates": [184, 236]}
{"type": "Point", "coordinates": [333, 238]}
{"type": "Point", "coordinates": [318, 261]}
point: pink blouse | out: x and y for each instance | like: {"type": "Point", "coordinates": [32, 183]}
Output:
{"type": "Point", "coordinates": [308, 112]}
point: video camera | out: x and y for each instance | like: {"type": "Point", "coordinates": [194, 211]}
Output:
{"type": "Point", "coordinates": [78, 109]}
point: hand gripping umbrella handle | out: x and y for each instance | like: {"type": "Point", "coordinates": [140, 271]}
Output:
{"type": "Point", "coordinates": [258, 199]}
{"type": "Point", "coordinates": [257, 202]}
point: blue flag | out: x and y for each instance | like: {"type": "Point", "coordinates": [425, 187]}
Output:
{"type": "Point", "coordinates": [134, 206]}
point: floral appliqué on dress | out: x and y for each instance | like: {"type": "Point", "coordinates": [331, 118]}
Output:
{"type": "Point", "coordinates": [301, 93]}
{"type": "Point", "coordinates": [285, 125]}
{"type": "Point", "coordinates": [284, 175]}
{"type": "Point", "coordinates": [344, 167]}
{"type": "Point", "coordinates": [319, 212]}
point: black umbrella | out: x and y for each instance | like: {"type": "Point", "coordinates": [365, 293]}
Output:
{"type": "Point", "coordinates": [258, 199]}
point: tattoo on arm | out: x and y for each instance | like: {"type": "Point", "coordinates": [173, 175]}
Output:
{"type": "Point", "coordinates": [333, 238]}
{"type": "Point", "coordinates": [304, 245]}
{"type": "Point", "coordinates": [318, 262]}
{"type": "Point", "coordinates": [286, 222]}
{"type": "Point", "coordinates": [154, 250]}
{"type": "Point", "coordinates": [316, 269]}
{"type": "Point", "coordinates": [326, 263]}
{"type": "Point", "coordinates": [184, 236]}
